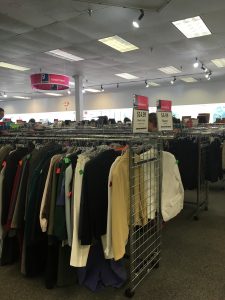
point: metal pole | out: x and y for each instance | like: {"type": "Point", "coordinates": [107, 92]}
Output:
{"type": "Point", "coordinates": [79, 97]}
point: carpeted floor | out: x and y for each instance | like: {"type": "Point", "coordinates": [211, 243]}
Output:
{"type": "Point", "coordinates": [192, 266]}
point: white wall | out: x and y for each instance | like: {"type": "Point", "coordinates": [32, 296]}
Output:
{"type": "Point", "coordinates": [180, 94]}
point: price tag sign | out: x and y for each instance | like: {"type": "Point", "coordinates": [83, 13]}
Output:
{"type": "Point", "coordinates": [164, 121]}
{"type": "Point", "coordinates": [140, 121]}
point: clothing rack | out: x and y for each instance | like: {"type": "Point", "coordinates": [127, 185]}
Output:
{"type": "Point", "coordinates": [144, 250]}
{"type": "Point", "coordinates": [202, 191]}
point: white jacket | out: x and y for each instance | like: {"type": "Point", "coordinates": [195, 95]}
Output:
{"type": "Point", "coordinates": [172, 201]}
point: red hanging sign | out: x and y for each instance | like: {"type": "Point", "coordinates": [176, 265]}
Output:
{"type": "Point", "coordinates": [54, 82]}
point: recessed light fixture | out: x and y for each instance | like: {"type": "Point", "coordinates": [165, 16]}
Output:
{"type": "Point", "coordinates": [188, 79]}
{"type": "Point", "coordinates": [219, 62]}
{"type": "Point", "coordinates": [53, 94]}
{"type": "Point", "coordinates": [21, 97]}
{"type": "Point", "coordinates": [13, 67]}
{"type": "Point", "coordinates": [169, 70]}
{"type": "Point", "coordinates": [154, 84]}
{"type": "Point", "coordinates": [92, 90]}
{"type": "Point", "coordinates": [118, 44]}
{"type": "Point", "coordinates": [64, 55]}
{"type": "Point", "coordinates": [127, 76]}
{"type": "Point", "coordinates": [192, 27]}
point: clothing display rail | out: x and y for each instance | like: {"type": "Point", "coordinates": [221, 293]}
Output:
{"type": "Point", "coordinates": [137, 217]}
{"type": "Point", "coordinates": [202, 191]}
{"type": "Point", "coordinates": [204, 135]}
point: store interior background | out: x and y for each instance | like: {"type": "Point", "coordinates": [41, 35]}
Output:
{"type": "Point", "coordinates": [188, 99]}
{"type": "Point", "coordinates": [29, 29]}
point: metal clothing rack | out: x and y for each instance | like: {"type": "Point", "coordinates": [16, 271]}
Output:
{"type": "Point", "coordinates": [145, 239]}
{"type": "Point", "coordinates": [202, 191]}
{"type": "Point", "coordinates": [145, 177]}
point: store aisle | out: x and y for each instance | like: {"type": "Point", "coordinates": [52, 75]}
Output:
{"type": "Point", "coordinates": [193, 265]}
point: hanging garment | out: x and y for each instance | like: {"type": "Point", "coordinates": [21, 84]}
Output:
{"type": "Point", "coordinates": [120, 203]}
{"type": "Point", "coordinates": [11, 161]}
{"type": "Point", "coordinates": [214, 171]}
{"type": "Point", "coordinates": [79, 253]}
{"type": "Point", "coordinates": [150, 169]}
{"type": "Point", "coordinates": [18, 215]}
{"type": "Point", "coordinates": [172, 200]}
{"type": "Point", "coordinates": [45, 203]}
{"type": "Point", "coordinates": [68, 194]}
{"type": "Point", "coordinates": [94, 197]}
{"type": "Point", "coordinates": [99, 272]}
{"type": "Point", "coordinates": [107, 239]}
{"type": "Point", "coordinates": [186, 152]}
{"type": "Point", "coordinates": [2, 173]}
{"type": "Point", "coordinates": [223, 155]}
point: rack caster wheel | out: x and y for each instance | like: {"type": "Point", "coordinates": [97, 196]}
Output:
{"type": "Point", "coordinates": [206, 208]}
{"type": "Point", "coordinates": [129, 293]}
{"type": "Point", "coordinates": [196, 218]}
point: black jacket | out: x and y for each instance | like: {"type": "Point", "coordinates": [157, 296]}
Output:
{"type": "Point", "coordinates": [94, 197]}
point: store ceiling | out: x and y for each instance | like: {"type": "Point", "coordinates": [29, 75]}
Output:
{"type": "Point", "coordinates": [29, 28]}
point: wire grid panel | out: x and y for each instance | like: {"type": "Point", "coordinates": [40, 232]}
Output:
{"type": "Point", "coordinates": [145, 210]}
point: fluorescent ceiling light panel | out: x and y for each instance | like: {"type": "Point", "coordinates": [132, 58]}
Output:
{"type": "Point", "coordinates": [153, 83]}
{"type": "Point", "coordinates": [127, 76]}
{"type": "Point", "coordinates": [92, 90]}
{"type": "Point", "coordinates": [64, 55]}
{"type": "Point", "coordinates": [219, 62]}
{"type": "Point", "coordinates": [188, 79]}
{"type": "Point", "coordinates": [21, 97]}
{"type": "Point", "coordinates": [192, 27]}
{"type": "Point", "coordinates": [12, 67]}
{"type": "Point", "coordinates": [53, 94]}
{"type": "Point", "coordinates": [170, 70]}
{"type": "Point", "coordinates": [118, 44]}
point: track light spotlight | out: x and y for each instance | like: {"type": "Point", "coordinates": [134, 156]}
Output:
{"type": "Point", "coordinates": [196, 64]}
{"type": "Point", "coordinates": [69, 92]}
{"type": "Point", "coordinates": [203, 68]}
{"type": "Point", "coordinates": [5, 95]}
{"type": "Point", "coordinates": [102, 89]}
{"type": "Point", "coordinates": [136, 23]}
{"type": "Point", "coordinates": [146, 84]}
{"type": "Point", "coordinates": [173, 81]}
{"type": "Point", "coordinates": [207, 75]}
{"type": "Point", "coordinates": [83, 90]}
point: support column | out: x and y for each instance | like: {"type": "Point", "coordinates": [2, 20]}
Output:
{"type": "Point", "coordinates": [79, 103]}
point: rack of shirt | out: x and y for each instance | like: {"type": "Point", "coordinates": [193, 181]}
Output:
{"type": "Point", "coordinates": [73, 207]}
{"type": "Point", "coordinates": [199, 155]}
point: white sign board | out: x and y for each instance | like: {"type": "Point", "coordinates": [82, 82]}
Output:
{"type": "Point", "coordinates": [140, 121]}
{"type": "Point", "coordinates": [164, 120]}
